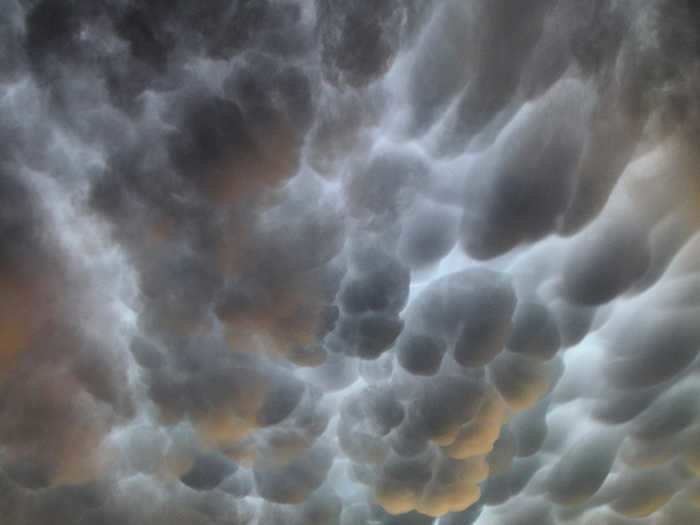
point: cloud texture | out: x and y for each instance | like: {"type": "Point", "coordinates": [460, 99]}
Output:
{"type": "Point", "coordinates": [389, 262]}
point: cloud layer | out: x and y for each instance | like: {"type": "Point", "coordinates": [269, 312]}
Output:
{"type": "Point", "coordinates": [340, 262]}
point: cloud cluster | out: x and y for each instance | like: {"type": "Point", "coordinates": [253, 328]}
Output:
{"type": "Point", "coordinates": [397, 262]}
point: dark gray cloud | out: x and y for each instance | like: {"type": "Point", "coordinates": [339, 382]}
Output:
{"type": "Point", "coordinates": [343, 262]}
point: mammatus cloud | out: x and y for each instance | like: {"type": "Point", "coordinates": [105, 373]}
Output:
{"type": "Point", "coordinates": [349, 262]}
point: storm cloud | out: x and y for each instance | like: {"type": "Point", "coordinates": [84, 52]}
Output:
{"type": "Point", "coordinates": [351, 262]}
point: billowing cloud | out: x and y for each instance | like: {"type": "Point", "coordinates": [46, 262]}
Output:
{"type": "Point", "coordinates": [396, 262]}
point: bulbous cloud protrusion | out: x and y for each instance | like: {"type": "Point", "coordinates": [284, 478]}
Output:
{"type": "Point", "coordinates": [342, 262]}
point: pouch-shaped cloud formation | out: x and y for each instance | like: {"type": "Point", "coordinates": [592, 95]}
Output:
{"type": "Point", "coordinates": [347, 262]}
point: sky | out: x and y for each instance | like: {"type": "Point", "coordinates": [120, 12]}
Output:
{"type": "Point", "coordinates": [349, 262]}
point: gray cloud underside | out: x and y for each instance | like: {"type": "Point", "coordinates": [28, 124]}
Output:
{"type": "Point", "coordinates": [349, 262]}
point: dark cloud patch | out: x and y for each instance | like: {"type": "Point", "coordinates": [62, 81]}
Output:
{"type": "Point", "coordinates": [420, 354]}
{"type": "Point", "coordinates": [386, 185]}
{"type": "Point", "coordinates": [213, 130]}
{"type": "Point", "coordinates": [439, 68]}
{"type": "Point", "coordinates": [573, 322]}
{"type": "Point", "coordinates": [52, 29]}
{"type": "Point", "coordinates": [640, 496]}
{"type": "Point", "coordinates": [368, 335]}
{"type": "Point", "coordinates": [659, 350]}
{"type": "Point", "coordinates": [504, 41]}
{"type": "Point", "coordinates": [26, 284]}
{"type": "Point", "coordinates": [531, 175]}
{"type": "Point", "coordinates": [292, 483]}
{"type": "Point", "coordinates": [467, 517]}
{"type": "Point", "coordinates": [208, 472]}
{"type": "Point", "coordinates": [621, 249]}
{"type": "Point", "coordinates": [427, 236]}
{"type": "Point", "coordinates": [582, 470]}
{"type": "Point", "coordinates": [520, 380]}
{"type": "Point", "coordinates": [384, 288]}
{"type": "Point", "coordinates": [359, 42]}
{"type": "Point", "coordinates": [500, 488]}
{"type": "Point", "coordinates": [229, 286]}
{"type": "Point", "coordinates": [668, 416]}
{"type": "Point", "coordinates": [530, 429]}
{"type": "Point", "coordinates": [621, 407]}
{"type": "Point", "coordinates": [535, 333]}
{"type": "Point", "coordinates": [473, 304]}
{"type": "Point", "coordinates": [462, 396]}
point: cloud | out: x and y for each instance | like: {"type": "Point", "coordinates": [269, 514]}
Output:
{"type": "Point", "coordinates": [396, 262]}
